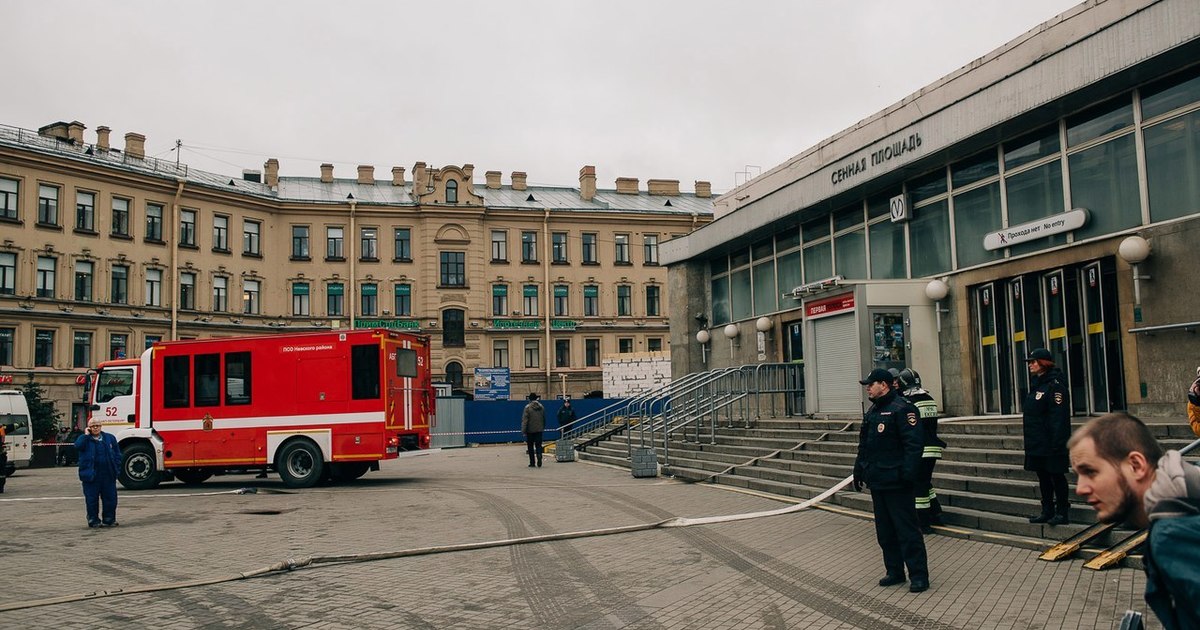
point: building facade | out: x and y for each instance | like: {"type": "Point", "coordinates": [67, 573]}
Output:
{"type": "Point", "coordinates": [105, 251]}
{"type": "Point", "coordinates": [1044, 195]}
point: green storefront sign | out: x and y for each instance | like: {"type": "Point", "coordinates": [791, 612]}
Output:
{"type": "Point", "coordinates": [391, 324]}
{"type": "Point", "coordinates": [563, 324]}
{"type": "Point", "coordinates": [516, 324]}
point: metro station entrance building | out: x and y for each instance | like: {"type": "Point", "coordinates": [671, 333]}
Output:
{"type": "Point", "coordinates": [1044, 195]}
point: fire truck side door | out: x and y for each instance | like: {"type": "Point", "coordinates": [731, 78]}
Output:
{"type": "Point", "coordinates": [319, 379]}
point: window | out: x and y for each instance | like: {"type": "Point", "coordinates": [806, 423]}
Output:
{"type": "Point", "coordinates": [887, 251]}
{"type": "Point", "coordinates": [530, 294]}
{"type": "Point", "coordinates": [81, 352]}
{"type": "Point", "coordinates": [976, 213]}
{"type": "Point", "coordinates": [45, 276]}
{"type": "Point", "coordinates": [591, 352]}
{"type": "Point", "coordinates": [499, 246]}
{"type": "Point", "coordinates": [499, 300]}
{"type": "Point", "coordinates": [850, 261]}
{"type": "Point", "coordinates": [1172, 155]}
{"type": "Point", "coordinates": [47, 205]}
{"type": "Point", "coordinates": [403, 305]}
{"type": "Point", "coordinates": [85, 211]}
{"type": "Point", "coordinates": [562, 299]}
{"type": "Point", "coordinates": [364, 372]}
{"type": "Point", "coordinates": [402, 237]}
{"type": "Point", "coordinates": [1176, 91]}
{"type": "Point", "coordinates": [220, 302]}
{"type": "Point", "coordinates": [1100, 120]}
{"type": "Point", "coordinates": [187, 228]}
{"type": "Point", "coordinates": [452, 328]}
{"type": "Point", "coordinates": [654, 344]}
{"type": "Point", "coordinates": [207, 382]}
{"type": "Point", "coordinates": [8, 273]}
{"type": "Point", "coordinates": [43, 348]}
{"type": "Point", "coordinates": [652, 301]}
{"type": "Point", "coordinates": [154, 219]}
{"type": "Point", "coordinates": [720, 300]}
{"type": "Point", "coordinates": [591, 301]}
{"type": "Point", "coordinates": [529, 247]}
{"type": "Point", "coordinates": [558, 247]}
{"type": "Point", "coordinates": [650, 248]}
{"type": "Point", "coordinates": [150, 340]}
{"type": "Point", "coordinates": [930, 235]}
{"type": "Point", "coordinates": [176, 372]}
{"type": "Point", "coordinates": [453, 271]}
{"type": "Point", "coordinates": [622, 248]}
{"type": "Point", "coordinates": [250, 290]}
{"type": "Point", "coordinates": [334, 300]}
{"type": "Point", "coordinates": [237, 378]}
{"type": "Point", "coordinates": [624, 300]}
{"type": "Point", "coordinates": [83, 280]}
{"type": "Point", "coordinates": [369, 299]}
{"type": "Point", "coordinates": [625, 345]}
{"type": "Point", "coordinates": [562, 353]}
{"type": "Point", "coordinates": [187, 291]}
{"type": "Point", "coordinates": [588, 252]}
{"type": "Point", "coordinates": [818, 261]}
{"type": "Point", "coordinates": [6, 345]}
{"type": "Point", "coordinates": [117, 343]}
{"type": "Point", "coordinates": [739, 293]}
{"type": "Point", "coordinates": [500, 353]}
{"type": "Point", "coordinates": [1033, 194]}
{"type": "Point", "coordinates": [221, 233]}
{"type": "Point", "coordinates": [369, 240]}
{"type": "Point", "coordinates": [153, 287]}
{"type": "Point", "coordinates": [1031, 147]}
{"type": "Point", "coordinates": [9, 197]}
{"type": "Point", "coordinates": [334, 243]}
{"type": "Point", "coordinates": [120, 284]}
{"type": "Point", "coordinates": [406, 363]}
{"type": "Point", "coordinates": [533, 353]}
{"type": "Point", "coordinates": [451, 191]}
{"type": "Point", "coordinates": [1104, 179]}
{"type": "Point", "coordinates": [300, 299]}
{"type": "Point", "coordinates": [120, 217]}
{"type": "Point", "coordinates": [454, 374]}
{"type": "Point", "coordinates": [250, 238]}
{"type": "Point", "coordinates": [300, 242]}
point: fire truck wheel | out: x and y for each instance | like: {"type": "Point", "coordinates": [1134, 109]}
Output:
{"type": "Point", "coordinates": [300, 464]}
{"type": "Point", "coordinates": [343, 472]}
{"type": "Point", "coordinates": [192, 476]}
{"type": "Point", "coordinates": [139, 470]}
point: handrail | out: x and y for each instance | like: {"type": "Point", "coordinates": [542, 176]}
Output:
{"type": "Point", "coordinates": [1189, 327]}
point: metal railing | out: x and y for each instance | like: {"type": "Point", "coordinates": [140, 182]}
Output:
{"type": "Point", "coordinates": [619, 415]}
{"type": "Point", "coordinates": [31, 139]}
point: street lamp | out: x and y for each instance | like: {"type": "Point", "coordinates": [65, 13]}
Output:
{"type": "Point", "coordinates": [703, 338]}
{"type": "Point", "coordinates": [731, 333]}
{"type": "Point", "coordinates": [1134, 250]}
{"type": "Point", "coordinates": [937, 290]}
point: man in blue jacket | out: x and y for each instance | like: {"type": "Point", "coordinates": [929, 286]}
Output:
{"type": "Point", "coordinates": [99, 461]}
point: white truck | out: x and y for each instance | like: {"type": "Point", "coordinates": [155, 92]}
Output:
{"type": "Point", "coordinates": [14, 417]}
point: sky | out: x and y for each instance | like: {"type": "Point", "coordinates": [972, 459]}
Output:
{"type": "Point", "coordinates": [670, 89]}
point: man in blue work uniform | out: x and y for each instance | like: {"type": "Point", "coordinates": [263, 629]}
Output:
{"type": "Point", "coordinates": [890, 442]}
{"type": "Point", "coordinates": [99, 461]}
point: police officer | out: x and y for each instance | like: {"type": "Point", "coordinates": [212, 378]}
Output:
{"type": "Point", "coordinates": [929, 509]}
{"type": "Point", "coordinates": [1046, 417]}
{"type": "Point", "coordinates": [889, 457]}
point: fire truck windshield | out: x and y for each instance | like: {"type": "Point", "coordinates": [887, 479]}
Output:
{"type": "Point", "coordinates": [113, 383]}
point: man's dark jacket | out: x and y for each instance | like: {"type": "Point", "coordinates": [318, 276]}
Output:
{"type": "Point", "coordinates": [890, 442]}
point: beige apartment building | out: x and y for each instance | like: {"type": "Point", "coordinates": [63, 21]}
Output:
{"type": "Point", "coordinates": [105, 251]}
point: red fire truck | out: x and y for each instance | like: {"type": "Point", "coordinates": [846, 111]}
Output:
{"type": "Point", "coordinates": [307, 405]}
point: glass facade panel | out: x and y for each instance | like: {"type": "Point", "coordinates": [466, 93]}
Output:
{"type": "Point", "coordinates": [1171, 93]}
{"type": "Point", "coordinates": [1172, 162]}
{"type": "Point", "coordinates": [887, 250]}
{"type": "Point", "coordinates": [851, 253]}
{"type": "Point", "coordinates": [1031, 147]}
{"type": "Point", "coordinates": [927, 186]}
{"type": "Point", "coordinates": [976, 213]}
{"type": "Point", "coordinates": [788, 273]}
{"type": "Point", "coordinates": [720, 300]}
{"type": "Point", "coordinates": [930, 234]}
{"type": "Point", "coordinates": [1102, 119]}
{"type": "Point", "coordinates": [787, 239]}
{"type": "Point", "coordinates": [818, 262]}
{"type": "Point", "coordinates": [815, 229]}
{"type": "Point", "coordinates": [1035, 194]}
{"type": "Point", "coordinates": [847, 218]}
{"type": "Point", "coordinates": [765, 293]}
{"type": "Point", "coordinates": [974, 169]}
{"type": "Point", "coordinates": [1104, 180]}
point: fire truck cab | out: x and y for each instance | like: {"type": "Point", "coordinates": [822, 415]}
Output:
{"type": "Point", "coordinates": [310, 406]}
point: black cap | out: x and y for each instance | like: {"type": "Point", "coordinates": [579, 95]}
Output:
{"type": "Point", "coordinates": [1040, 353]}
{"type": "Point", "coordinates": [877, 375]}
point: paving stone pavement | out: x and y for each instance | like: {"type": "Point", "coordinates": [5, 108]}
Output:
{"type": "Point", "coordinates": [812, 569]}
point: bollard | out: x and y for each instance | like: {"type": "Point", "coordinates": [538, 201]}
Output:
{"type": "Point", "coordinates": [644, 462]}
{"type": "Point", "coordinates": [564, 451]}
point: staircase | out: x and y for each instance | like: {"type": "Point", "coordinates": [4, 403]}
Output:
{"type": "Point", "coordinates": [980, 481]}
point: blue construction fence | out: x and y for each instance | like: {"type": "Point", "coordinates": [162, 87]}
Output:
{"type": "Point", "coordinates": [499, 421]}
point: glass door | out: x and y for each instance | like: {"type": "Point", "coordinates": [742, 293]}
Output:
{"type": "Point", "coordinates": [1093, 313]}
{"type": "Point", "coordinates": [890, 338]}
{"type": "Point", "coordinates": [793, 352]}
{"type": "Point", "coordinates": [1054, 310]}
{"type": "Point", "coordinates": [1018, 343]}
{"type": "Point", "coordinates": [989, 355]}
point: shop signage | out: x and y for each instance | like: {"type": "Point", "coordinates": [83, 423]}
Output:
{"type": "Point", "coordinates": [829, 306]}
{"type": "Point", "coordinates": [7, 378]}
{"type": "Point", "coordinates": [491, 383]}
{"type": "Point", "coordinates": [877, 156]}
{"type": "Point", "coordinates": [563, 324]}
{"type": "Point", "coordinates": [390, 324]}
{"type": "Point", "coordinates": [516, 324]}
{"type": "Point", "coordinates": [1025, 232]}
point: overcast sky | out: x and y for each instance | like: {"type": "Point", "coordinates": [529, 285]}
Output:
{"type": "Point", "coordinates": [688, 90]}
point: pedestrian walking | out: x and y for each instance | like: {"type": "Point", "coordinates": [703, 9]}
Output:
{"type": "Point", "coordinates": [99, 461]}
{"type": "Point", "coordinates": [533, 422]}
{"type": "Point", "coordinates": [929, 509]}
{"type": "Point", "coordinates": [1047, 425]}
{"type": "Point", "coordinates": [889, 457]}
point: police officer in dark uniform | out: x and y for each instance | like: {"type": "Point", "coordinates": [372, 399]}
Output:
{"type": "Point", "coordinates": [889, 458]}
{"type": "Point", "coordinates": [1046, 417]}
{"type": "Point", "coordinates": [929, 509]}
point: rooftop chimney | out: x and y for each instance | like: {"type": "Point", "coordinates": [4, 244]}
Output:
{"type": "Point", "coordinates": [366, 174]}
{"type": "Point", "coordinates": [518, 180]}
{"type": "Point", "coordinates": [135, 145]}
{"type": "Point", "coordinates": [327, 173]}
{"type": "Point", "coordinates": [587, 183]}
{"type": "Point", "coordinates": [102, 137]}
{"type": "Point", "coordinates": [663, 186]}
{"type": "Point", "coordinates": [493, 179]}
{"type": "Point", "coordinates": [469, 173]}
{"type": "Point", "coordinates": [272, 168]}
{"type": "Point", "coordinates": [75, 132]}
{"type": "Point", "coordinates": [703, 189]}
{"type": "Point", "coordinates": [627, 185]}
{"type": "Point", "coordinates": [397, 175]}
{"type": "Point", "coordinates": [54, 130]}
{"type": "Point", "coordinates": [420, 178]}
